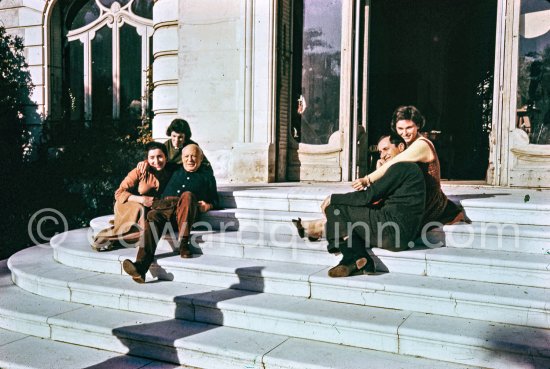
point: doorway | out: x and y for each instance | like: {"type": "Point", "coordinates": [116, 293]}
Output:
{"type": "Point", "coordinates": [438, 56]}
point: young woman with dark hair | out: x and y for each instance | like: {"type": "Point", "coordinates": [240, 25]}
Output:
{"type": "Point", "coordinates": [133, 198]}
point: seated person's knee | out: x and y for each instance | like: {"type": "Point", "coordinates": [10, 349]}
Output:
{"type": "Point", "coordinates": [187, 197]}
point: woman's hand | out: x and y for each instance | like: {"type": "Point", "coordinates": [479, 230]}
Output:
{"type": "Point", "coordinates": [325, 204]}
{"type": "Point", "coordinates": [142, 166]}
{"type": "Point", "coordinates": [360, 183]}
{"type": "Point", "coordinates": [204, 206]}
{"type": "Point", "coordinates": [147, 201]}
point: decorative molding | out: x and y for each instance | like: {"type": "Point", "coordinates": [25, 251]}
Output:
{"type": "Point", "coordinates": [522, 149]}
{"type": "Point", "coordinates": [167, 82]}
{"type": "Point", "coordinates": [166, 24]}
{"type": "Point", "coordinates": [166, 111]}
{"type": "Point", "coordinates": [538, 23]}
{"type": "Point", "coordinates": [114, 17]}
{"type": "Point", "coordinates": [334, 145]}
{"type": "Point", "coordinates": [161, 54]}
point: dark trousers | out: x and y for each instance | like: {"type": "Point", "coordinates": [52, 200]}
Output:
{"type": "Point", "coordinates": [353, 248]}
{"type": "Point", "coordinates": [368, 224]}
{"type": "Point", "coordinates": [340, 226]}
{"type": "Point", "coordinates": [176, 212]}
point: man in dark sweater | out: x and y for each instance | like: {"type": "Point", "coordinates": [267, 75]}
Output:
{"type": "Point", "coordinates": [359, 217]}
{"type": "Point", "coordinates": [190, 191]}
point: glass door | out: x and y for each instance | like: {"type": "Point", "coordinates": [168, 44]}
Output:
{"type": "Point", "coordinates": [319, 94]}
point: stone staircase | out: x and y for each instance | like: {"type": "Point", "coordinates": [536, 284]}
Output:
{"type": "Point", "coordinates": [258, 296]}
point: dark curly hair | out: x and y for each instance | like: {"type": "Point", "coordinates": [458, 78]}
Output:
{"type": "Point", "coordinates": [408, 112]}
{"type": "Point", "coordinates": [180, 126]}
{"type": "Point", "coordinates": [153, 145]}
{"type": "Point", "coordinates": [394, 139]}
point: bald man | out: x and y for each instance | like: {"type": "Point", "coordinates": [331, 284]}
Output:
{"type": "Point", "coordinates": [190, 191]}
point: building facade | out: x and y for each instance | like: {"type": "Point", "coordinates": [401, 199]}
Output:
{"type": "Point", "coordinates": [287, 90]}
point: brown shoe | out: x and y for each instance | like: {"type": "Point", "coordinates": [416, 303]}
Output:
{"type": "Point", "coordinates": [185, 252]}
{"type": "Point", "coordinates": [132, 269]}
{"type": "Point", "coordinates": [345, 270]}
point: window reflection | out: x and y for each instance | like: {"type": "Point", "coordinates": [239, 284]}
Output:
{"type": "Point", "coordinates": [533, 105]}
{"type": "Point", "coordinates": [74, 79]}
{"type": "Point", "coordinates": [108, 3]}
{"type": "Point", "coordinates": [130, 74]}
{"type": "Point", "coordinates": [102, 76]}
{"type": "Point", "coordinates": [143, 8]}
{"type": "Point", "coordinates": [107, 65]}
{"type": "Point", "coordinates": [320, 85]}
{"type": "Point", "coordinates": [86, 15]}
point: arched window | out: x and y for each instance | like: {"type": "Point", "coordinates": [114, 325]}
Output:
{"type": "Point", "coordinates": [106, 55]}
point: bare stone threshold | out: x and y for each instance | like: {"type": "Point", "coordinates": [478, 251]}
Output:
{"type": "Point", "coordinates": [460, 189]}
{"type": "Point", "coordinates": [445, 184]}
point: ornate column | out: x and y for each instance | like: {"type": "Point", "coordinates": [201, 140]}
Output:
{"type": "Point", "coordinates": [165, 65]}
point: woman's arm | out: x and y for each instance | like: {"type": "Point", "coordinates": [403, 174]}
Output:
{"type": "Point", "coordinates": [129, 185]}
{"type": "Point", "coordinates": [418, 151]}
{"type": "Point", "coordinates": [146, 201]}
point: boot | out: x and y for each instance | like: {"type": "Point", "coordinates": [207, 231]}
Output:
{"type": "Point", "coordinates": [135, 269]}
{"type": "Point", "coordinates": [185, 252]}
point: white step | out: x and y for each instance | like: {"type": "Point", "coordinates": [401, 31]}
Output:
{"type": "Point", "coordinates": [500, 266]}
{"type": "Point", "coordinates": [171, 340]}
{"type": "Point", "coordinates": [276, 226]}
{"type": "Point", "coordinates": [510, 209]}
{"type": "Point", "coordinates": [482, 203]}
{"type": "Point", "coordinates": [299, 353]}
{"type": "Point", "coordinates": [304, 198]}
{"type": "Point", "coordinates": [468, 342]}
{"type": "Point", "coordinates": [466, 299]}
{"type": "Point", "coordinates": [251, 220]}
{"type": "Point", "coordinates": [494, 236]}
{"type": "Point", "coordinates": [262, 208]}
{"type": "Point", "coordinates": [72, 249]}
{"type": "Point", "coordinates": [23, 351]}
{"type": "Point", "coordinates": [100, 223]}
{"type": "Point", "coordinates": [470, 264]}
{"type": "Point", "coordinates": [291, 354]}
{"type": "Point", "coordinates": [155, 337]}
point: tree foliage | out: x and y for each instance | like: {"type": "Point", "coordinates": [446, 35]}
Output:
{"type": "Point", "coordinates": [15, 89]}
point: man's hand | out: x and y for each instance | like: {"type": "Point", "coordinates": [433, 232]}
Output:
{"type": "Point", "coordinates": [325, 204]}
{"type": "Point", "coordinates": [147, 201]}
{"type": "Point", "coordinates": [359, 184]}
{"type": "Point", "coordinates": [142, 167]}
{"type": "Point", "coordinates": [380, 162]}
{"type": "Point", "coordinates": [204, 206]}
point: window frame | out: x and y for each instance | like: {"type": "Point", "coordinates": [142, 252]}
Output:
{"type": "Point", "coordinates": [114, 17]}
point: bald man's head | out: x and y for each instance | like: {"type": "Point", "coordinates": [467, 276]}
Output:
{"type": "Point", "coordinates": [191, 156]}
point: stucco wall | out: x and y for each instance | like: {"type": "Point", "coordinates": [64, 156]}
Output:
{"type": "Point", "coordinates": [225, 84]}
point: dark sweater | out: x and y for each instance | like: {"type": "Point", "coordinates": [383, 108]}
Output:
{"type": "Point", "coordinates": [201, 183]}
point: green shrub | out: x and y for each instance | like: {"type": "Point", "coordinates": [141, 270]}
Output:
{"type": "Point", "coordinates": [78, 180]}
{"type": "Point", "coordinates": [15, 91]}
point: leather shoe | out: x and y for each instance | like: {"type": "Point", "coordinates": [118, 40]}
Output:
{"type": "Point", "coordinates": [346, 270]}
{"type": "Point", "coordinates": [133, 270]}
